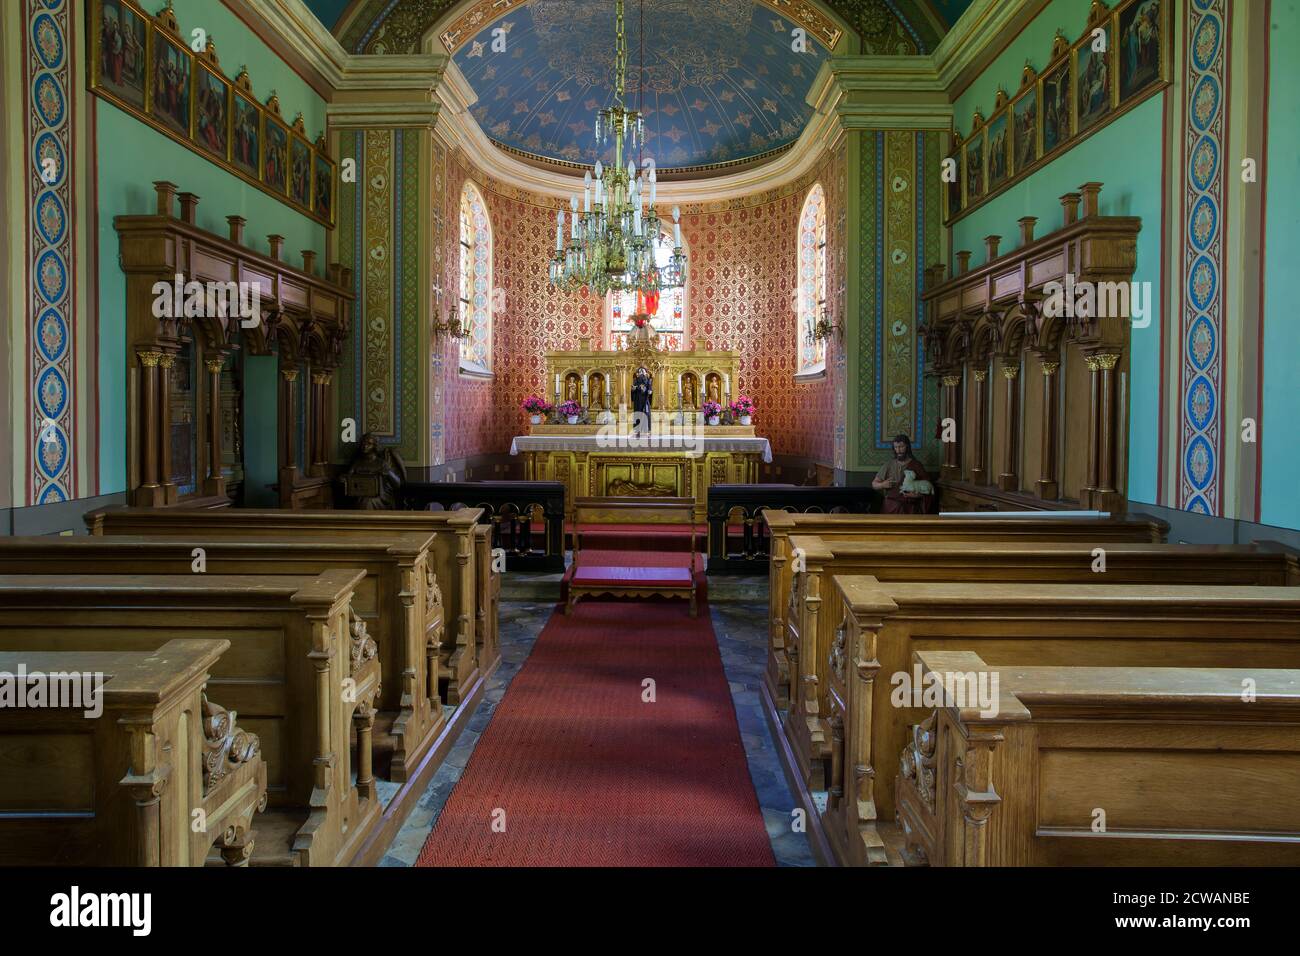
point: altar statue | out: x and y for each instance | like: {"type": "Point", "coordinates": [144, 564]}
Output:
{"type": "Point", "coordinates": [690, 394]}
{"type": "Point", "coordinates": [374, 476]}
{"type": "Point", "coordinates": [642, 397]}
{"type": "Point", "coordinates": [572, 388]}
{"type": "Point", "coordinates": [713, 387]}
{"type": "Point", "coordinates": [903, 479]}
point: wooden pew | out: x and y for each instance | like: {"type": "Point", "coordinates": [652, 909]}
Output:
{"type": "Point", "coordinates": [903, 559]}
{"type": "Point", "coordinates": [850, 527]}
{"type": "Point", "coordinates": [460, 550]}
{"type": "Point", "coordinates": [400, 600]}
{"type": "Point", "coordinates": [1102, 766]}
{"type": "Point", "coordinates": [1085, 625]}
{"type": "Point", "coordinates": [122, 787]}
{"type": "Point", "coordinates": [301, 672]}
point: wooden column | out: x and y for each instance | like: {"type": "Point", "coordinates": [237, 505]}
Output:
{"type": "Point", "coordinates": [1009, 480]}
{"type": "Point", "coordinates": [1089, 489]}
{"type": "Point", "coordinates": [215, 483]}
{"type": "Point", "coordinates": [1048, 486]}
{"type": "Point", "coordinates": [165, 363]}
{"type": "Point", "coordinates": [951, 470]}
{"type": "Point", "coordinates": [149, 493]}
{"type": "Point", "coordinates": [978, 469]}
{"type": "Point", "coordinates": [1107, 429]}
{"type": "Point", "coordinates": [288, 433]}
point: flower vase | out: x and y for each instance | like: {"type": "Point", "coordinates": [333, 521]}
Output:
{"type": "Point", "coordinates": [536, 419]}
{"type": "Point", "coordinates": [746, 420]}
{"type": "Point", "coordinates": [573, 419]}
{"type": "Point", "coordinates": [715, 419]}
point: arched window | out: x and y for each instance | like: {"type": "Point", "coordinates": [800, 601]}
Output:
{"type": "Point", "coordinates": [812, 283]}
{"type": "Point", "coordinates": [669, 319]}
{"type": "Point", "coordinates": [475, 282]}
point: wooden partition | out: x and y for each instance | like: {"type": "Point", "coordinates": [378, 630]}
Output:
{"type": "Point", "coordinates": [301, 672]}
{"type": "Point", "coordinates": [458, 553]}
{"type": "Point", "coordinates": [400, 601]}
{"type": "Point", "coordinates": [1102, 766]}
{"type": "Point", "coordinates": [810, 632]}
{"type": "Point", "coordinates": [1032, 353]}
{"type": "Point", "coordinates": [124, 787]}
{"type": "Point", "coordinates": [1087, 625]}
{"type": "Point", "coordinates": [738, 536]}
{"type": "Point", "coordinates": [302, 319]}
{"type": "Point", "coordinates": [889, 528]}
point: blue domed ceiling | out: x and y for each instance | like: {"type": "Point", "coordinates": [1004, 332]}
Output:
{"type": "Point", "coordinates": [720, 84]}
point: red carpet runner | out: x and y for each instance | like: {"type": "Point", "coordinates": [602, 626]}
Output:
{"type": "Point", "coordinates": [582, 772]}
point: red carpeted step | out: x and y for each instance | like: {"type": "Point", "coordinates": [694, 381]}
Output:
{"type": "Point", "coordinates": [583, 772]}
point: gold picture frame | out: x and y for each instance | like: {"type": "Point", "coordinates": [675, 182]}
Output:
{"type": "Point", "coordinates": [141, 64]}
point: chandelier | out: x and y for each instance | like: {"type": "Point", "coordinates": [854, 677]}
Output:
{"type": "Point", "coordinates": [612, 241]}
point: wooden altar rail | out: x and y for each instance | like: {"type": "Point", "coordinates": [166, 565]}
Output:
{"type": "Point", "coordinates": [746, 503]}
{"type": "Point", "coordinates": [811, 624]}
{"type": "Point", "coordinates": [509, 507]}
{"type": "Point", "coordinates": [1083, 625]}
{"type": "Point", "coordinates": [400, 602]}
{"type": "Point", "coordinates": [122, 788]}
{"type": "Point", "coordinates": [298, 672]}
{"type": "Point", "coordinates": [1039, 400]}
{"type": "Point", "coordinates": [1187, 770]}
{"type": "Point", "coordinates": [305, 315]}
{"type": "Point", "coordinates": [890, 528]}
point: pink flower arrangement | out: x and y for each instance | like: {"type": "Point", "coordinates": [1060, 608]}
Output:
{"type": "Point", "coordinates": [744, 405]}
{"type": "Point", "coordinates": [535, 405]}
{"type": "Point", "coordinates": [710, 409]}
{"type": "Point", "coordinates": [570, 408]}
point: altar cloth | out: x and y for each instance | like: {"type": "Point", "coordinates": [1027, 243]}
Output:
{"type": "Point", "coordinates": [668, 442]}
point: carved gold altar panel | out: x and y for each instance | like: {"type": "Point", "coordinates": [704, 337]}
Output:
{"type": "Point", "coordinates": [602, 379]}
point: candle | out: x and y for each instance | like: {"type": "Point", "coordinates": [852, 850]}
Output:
{"type": "Point", "coordinates": [677, 226]}
{"type": "Point", "coordinates": [586, 192]}
{"type": "Point", "coordinates": [573, 202]}
{"type": "Point", "coordinates": [559, 230]}
{"type": "Point", "coordinates": [557, 383]}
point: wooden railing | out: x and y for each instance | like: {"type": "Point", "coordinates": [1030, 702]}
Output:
{"type": "Point", "coordinates": [747, 551]}
{"type": "Point", "coordinates": [511, 507]}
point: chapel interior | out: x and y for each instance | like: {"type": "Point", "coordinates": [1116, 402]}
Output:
{"type": "Point", "coordinates": [644, 433]}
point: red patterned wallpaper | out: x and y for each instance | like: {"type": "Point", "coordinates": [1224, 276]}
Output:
{"type": "Point", "coordinates": [740, 296]}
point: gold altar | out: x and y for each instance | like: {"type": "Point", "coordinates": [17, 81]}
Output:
{"type": "Point", "coordinates": [601, 379]}
{"type": "Point", "coordinates": [680, 456]}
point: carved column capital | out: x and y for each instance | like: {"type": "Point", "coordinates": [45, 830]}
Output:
{"type": "Point", "coordinates": [981, 374]}
{"type": "Point", "coordinates": [289, 374]}
{"type": "Point", "coordinates": [1050, 368]}
{"type": "Point", "coordinates": [1009, 372]}
{"type": "Point", "coordinates": [149, 359]}
{"type": "Point", "coordinates": [951, 381]}
{"type": "Point", "coordinates": [1106, 361]}
{"type": "Point", "coordinates": [214, 365]}
{"type": "Point", "coordinates": [166, 360]}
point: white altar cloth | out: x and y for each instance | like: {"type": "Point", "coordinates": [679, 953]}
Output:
{"type": "Point", "coordinates": [689, 443]}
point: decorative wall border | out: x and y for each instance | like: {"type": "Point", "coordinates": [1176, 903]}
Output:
{"type": "Point", "coordinates": [1203, 294]}
{"type": "Point", "coordinates": [51, 250]}
{"type": "Point", "coordinates": [998, 149]}
{"type": "Point", "coordinates": [271, 172]}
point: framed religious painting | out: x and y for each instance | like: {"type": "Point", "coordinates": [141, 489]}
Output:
{"type": "Point", "coordinates": [1140, 47]}
{"type": "Point", "coordinates": [1024, 130]}
{"type": "Point", "coordinates": [300, 162]}
{"type": "Point", "coordinates": [974, 153]}
{"type": "Point", "coordinates": [275, 154]}
{"type": "Point", "coordinates": [1056, 104]}
{"type": "Point", "coordinates": [170, 83]}
{"type": "Point", "coordinates": [246, 136]}
{"type": "Point", "coordinates": [999, 147]}
{"type": "Point", "coordinates": [1093, 76]}
{"type": "Point", "coordinates": [211, 110]}
{"type": "Point", "coordinates": [119, 51]}
{"type": "Point", "coordinates": [322, 196]}
{"type": "Point", "coordinates": [953, 163]}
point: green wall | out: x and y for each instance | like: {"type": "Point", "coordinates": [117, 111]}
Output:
{"type": "Point", "coordinates": [1279, 497]}
{"type": "Point", "coordinates": [131, 155]}
{"type": "Point", "coordinates": [1131, 186]}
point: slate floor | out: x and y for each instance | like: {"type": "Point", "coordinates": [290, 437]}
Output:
{"type": "Point", "coordinates": [739, 613]}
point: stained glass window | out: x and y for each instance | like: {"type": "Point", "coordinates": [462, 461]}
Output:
{"type": "Point", "coordinates": [812, 281]}
{"type": "Point", "coordinates": [669, 320]}
{"type": "Point", "coordinates": [475, 282]}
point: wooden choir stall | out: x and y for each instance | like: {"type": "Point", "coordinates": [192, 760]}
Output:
{"type": "Point", "coordinates": [217, 336]}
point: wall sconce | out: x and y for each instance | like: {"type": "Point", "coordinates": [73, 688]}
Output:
{"type": "Point", "coordinates": [823, 328]}
{"type": "Point", "coordinates": [452, 326]}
